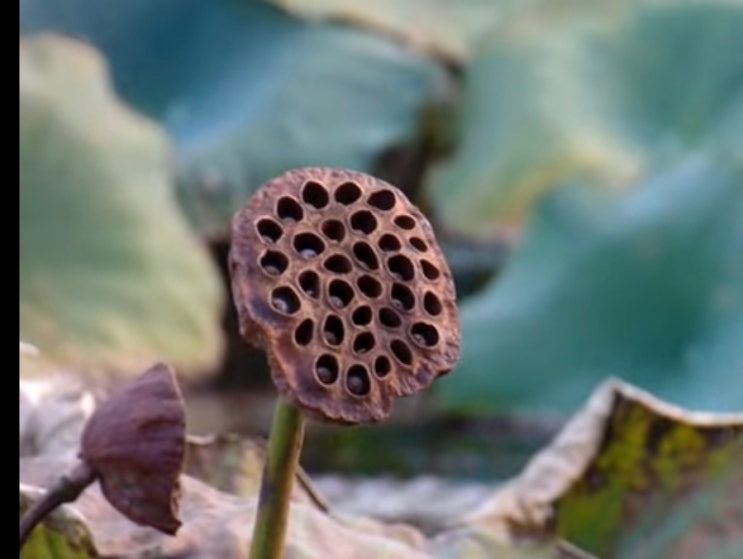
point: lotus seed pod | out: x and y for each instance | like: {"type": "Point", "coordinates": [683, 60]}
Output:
{"type": "Point", "coordinates": [340, 279]}
{"type": "Point", "coordinates": [135, 442]}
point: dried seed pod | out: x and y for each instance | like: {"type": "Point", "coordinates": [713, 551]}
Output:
{"type": "Point", "coordinates": [340, 278]}
{"type": "Point", "coordinates": [135, 442]}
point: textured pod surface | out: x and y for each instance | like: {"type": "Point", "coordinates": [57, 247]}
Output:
{"type": "Point", "coordinates": [340, 278]}
{"type": "Point", "coordinates": [136, 441]}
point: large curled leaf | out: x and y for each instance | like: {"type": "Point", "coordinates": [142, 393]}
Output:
{"type": "Point", "coordinates": [605, 103]}
{"type": "Point", "coordinates": [247, 92]}
{"type": "Point", "coordinates": [630, 476]}
{"type": "Point", "coordinates": [110, 275]}
{"type": "Point", "coordinates": [441, 25]}
{"type": "Point", "coordinates": [648, 286]}
{"type": "Point", "coordinates": [451, 27]}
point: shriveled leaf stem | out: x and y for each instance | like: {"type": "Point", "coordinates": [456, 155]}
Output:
{"type": "Point", "coordinates": [284, 446]}
{"type": "Point", "coordinates": [65, 490]}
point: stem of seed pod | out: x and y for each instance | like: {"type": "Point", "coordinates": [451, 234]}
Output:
{"type": "Point", "coordinates": [284, 446]}
{"type": "Point", "coordinates": [65, 490]}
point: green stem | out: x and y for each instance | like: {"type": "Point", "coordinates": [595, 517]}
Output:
{"type": "Point", "coordinates": [284, 446]}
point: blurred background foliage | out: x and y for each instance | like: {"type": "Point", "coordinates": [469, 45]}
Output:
{"type": "Point", "coordinates": [582, 163]}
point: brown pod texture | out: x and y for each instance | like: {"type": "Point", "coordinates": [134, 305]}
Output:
{"type": "Point", "coordinates": [135, 442]}
{"type": "Point", "coordinates": [340, 279]}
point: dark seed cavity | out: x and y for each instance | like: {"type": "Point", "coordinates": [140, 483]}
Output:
{"type": "Point", "coordinates": [288, 210]}
{"type": "Point", "coordinates": [274, 263]}
{"type": "Point", "coordinates": [326, 369]}
{"type": "Point", "coordinates": [303, 332]}
{"type": "Point", "coordinates": [364, 253]}
{"type": "Point", "coordinates": [347, 193]}
{"type": "Point", "coordinates": [405, 222]}
{"type": "Point", "coordinates": [425, 335]}
{"type": "Point", "coordinates": [362, 316]}
{"type": "Point", "coordinates": [340, 293]}
{"type": "Point", "coordinates": [382, 366]}
{"type": "Point", "coordinates": [285, 300]}
{"type": "Point", "coordinates": [357, 380]}
{"type": "Point", "coordinates": [401, 267]}
{"type": "Point", "coordinates": [429, 270]}
{"type": "Point", "coordinates": [382, 199]}
{"type": "Point", "coordinates": [333, 330]}
{"type": "Point", "coordinates": [389, 318]}
{"type": "Point", "coordinates": [333, 230]}
{"type": "Point", "coordinates": [389, 243]}
{"type": "Point", "coordinates": [402, 352]}
{"type": "Point", "coordinates": [309, 282]}
{"type": "Point", "coordinates": [269, 230]}
{"type": "Point", "coordinates": [418, 244]}
{"type": "Point", "coordinates": [315, 195]}
{"type": "Point", "coordinates": [402, 297]}
{"type": "Point", "coordinates": [308, 245]}
{"type": "Point", "coordinates": [364, 343]}
{"type": "Point", "coordinates": [338, 264]}
{"type": "Point", "coordinates": [364, 222]}
{"type": "Point", "coordinates": [369, 286]}
{"type": "Point", "coordinates": [432, 304]}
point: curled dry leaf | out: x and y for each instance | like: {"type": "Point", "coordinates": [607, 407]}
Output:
{"type": "Point", "coordinates": [624, 454]}
{"type": "Point", "coordinates": [135, 442]}
{"type": "Point", "coordinates": [214, 526]}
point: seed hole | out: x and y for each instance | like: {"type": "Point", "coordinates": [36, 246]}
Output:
{"type": "Point", "coordinates": [357, 380]}
{"type": "Point", "coordinates": [402, 297]}
{"type": "Point", "coordinates": [364, 222]}
{"type": "Point", "coordinates": [429, 270]}
{"type": "Point", "coordinates": [303, 332]}
{"type": "Point", "coordinates": [402, 352]}
{"type": "Point", "coordinates": [269, 230]}
{"type": "Point", "coordinates": [274, 262]}
{"type": "Point", "coordinates": [308, 245]}
{"type": "Point", "coordinates": [289, 210]}
{"type": "Point", "coordinates": [333, 230]}
{"type": "Point", "coordinates": [365, 254]}
{"type": "Point", "coordinates": [401, 267]}
{"type": "Point", "coordinates": [285, 300]}
{"type": "Point", "coordinates": [389, 243]}
{"type": "Point", "coordinates": [432, 304]}
{"type": "Point", "coordinates": [419, 244]}
{"type": "Point", "coordinates": [332, 330]}
{"type": "Point", "coordinates": [309, 281]}
{"type": "Point", "coordinates": [315, 195]}
{"type": "Point", "coordinates": [425, 335]}
{"type": "Point", "coordinates": [364, 343]}
{"type": "Point", "coordinates": [382, 366]}
{"type": "Point", "coordinates": [369, 286]}
{"type": "Point", "coordinates": [340, 293]}
{"type": "Point", "coordinates": [405, 222]}
{"type": "Point", "coordinates": [347, 193]}
{"type": "Point", "coordinates": [326, 369]}
{"type": "Point", "coordinates": [382, 199]}
{"type": "Point", "coordinates": [389, 318]}
{"type": "Point", "coordinates": [337, 263]}
{"type": "Point", "coordinates": [362, 316]}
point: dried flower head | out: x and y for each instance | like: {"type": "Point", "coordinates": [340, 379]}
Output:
{"type": "Point", "coordinates": [340, 278]}
{"type": "Point", "coordinates": [135, 443]}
